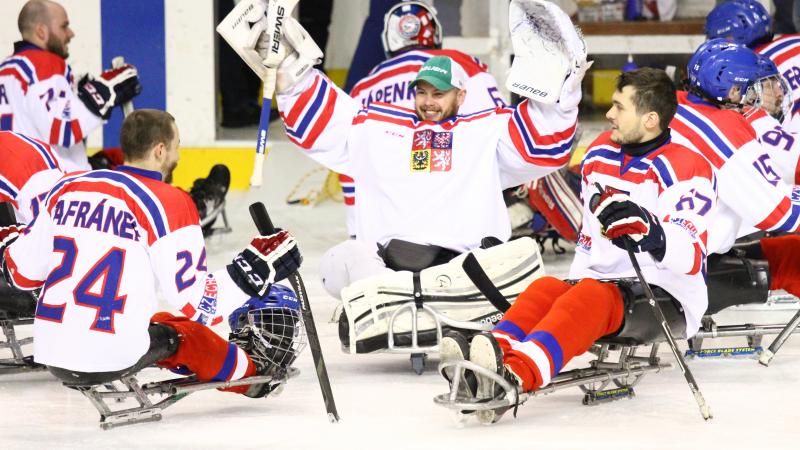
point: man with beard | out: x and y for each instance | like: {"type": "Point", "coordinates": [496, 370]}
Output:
{"type": "Point", "coordinates": [102, 247]}
{"type": "Point", "coordinates": [38, 94]}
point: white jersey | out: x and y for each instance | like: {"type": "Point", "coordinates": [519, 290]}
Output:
{"type": "Point", "coordinates": [390, 82]}
{"type": "Point", "coordinates": [102, 247]}
{"type": "Point", "coordinates": [426, 182]}
{"type": "Point", "coordinates": [782, 145]}
{"type": "Point", "coordinates": [785, 53]}
{"type": "Point", "coordinates": [28, 169]}
{"type": "Point", "coordinates": [751, 194]}
{"type": "Point", "coordinates": [675, 184]}
{"type": "Point", "coordinates": [38, 99]}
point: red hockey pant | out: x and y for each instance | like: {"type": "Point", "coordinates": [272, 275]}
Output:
{"type": "Point", "coordinates": [204, 353]}
{"type": "Point", "coordinates": [783, 255]}
{"type": "Point", "coordinates": [553, 321]}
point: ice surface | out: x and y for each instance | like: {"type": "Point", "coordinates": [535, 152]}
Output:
{"type": "Point", "coordinates": [384, 405]}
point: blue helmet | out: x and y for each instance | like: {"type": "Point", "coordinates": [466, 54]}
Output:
{"type": "Point", "coordinates": [278, 296]}
{"type": "Point", "coordinates": [720, 69]}
{"type": "Point", "coordinates": [745, 22]}
{"type": "Point", "coordinates": [698, 60]}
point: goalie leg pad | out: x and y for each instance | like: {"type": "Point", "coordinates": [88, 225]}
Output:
{"type": "Point", "coordinates": [347, 263]}
{"type": "Point", "coordinates": [369, 304]}
{"type": "Point", "coordinates": [556, 201]}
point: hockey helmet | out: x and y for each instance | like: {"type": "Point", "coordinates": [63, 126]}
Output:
{"type": "Point", "coordinates": [717, 67]}
{"type": "Point", "coordinates": [411, 24]}
{"type": "Point", "coordinates": [270, 329]}
{"type": "Point", "coordinates": [745, 22]}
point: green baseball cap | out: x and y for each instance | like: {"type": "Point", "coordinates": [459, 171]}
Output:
{"type": "Point", "coordinates": [443, 73]}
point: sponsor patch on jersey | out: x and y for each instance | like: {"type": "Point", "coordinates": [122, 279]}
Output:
{"type": "Point", "coordinates": [432, 151]}
{"type": "Point", "coordinates": [585, 241]}
{"type": "Point", "coordinates": [686, 225]}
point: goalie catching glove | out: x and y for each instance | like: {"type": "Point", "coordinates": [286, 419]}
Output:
{"type": "Point", "coordinates": [266, 260]}
{"type": "Point", "coordinates": [549, 54]}
{"type": "Point", "coordinates": [621, 219]}
{"type": "Point", "coordinates": [112, 88]}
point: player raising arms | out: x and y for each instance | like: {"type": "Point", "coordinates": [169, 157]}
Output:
{"type": "Point", "coordinates": [426, 176]}
{"type": "Point", "coordinates": [640, 189]}
{"type": "Point", "coordinates": [411, 35]}
{"type": "Point", "coordinates": [103, 245]}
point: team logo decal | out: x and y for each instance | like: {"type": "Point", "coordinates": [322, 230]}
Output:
{"type": "Point", "coordinates": [409, 26]}
{"type": "Point", "coordinates": [432, 151]}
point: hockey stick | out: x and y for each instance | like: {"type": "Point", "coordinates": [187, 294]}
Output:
{"type": "Point", "coordinates": [116, 63]}
{"type": "Point", "coordinates": [257, 178]}
{"type": "Point", "coordinates": [705, 410]}
{"type": "Point", "coordinates": [259, 214]}
{"type": "Point", "coordinates": [768, 354]}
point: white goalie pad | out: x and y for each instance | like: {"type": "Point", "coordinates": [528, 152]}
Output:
{"type": "Point", "coordinates": [547, 49]}
{"type": "Point", "coordinates": [249, 29]}
{"type": "Point", "coordinates": [449, 298]}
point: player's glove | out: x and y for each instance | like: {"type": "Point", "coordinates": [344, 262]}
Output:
{"type": "Point", "coordinates": [622, 219]}
{"type": "Point", "coordinates": [266, 260]}
{"type": "Point", "coordinates": [8, 234]}
{"type": "Point", "coordinates": [112, 88]}
{"type": "Point", "coordinates": [303, 55]}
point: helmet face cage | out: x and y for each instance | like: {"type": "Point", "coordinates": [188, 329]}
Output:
{"type": "Point", "coordinates": [411, 24]}
{"type": "Point", "coordinates": [770, 93]}
{"type": "Point", "coordinates": [279, 336]}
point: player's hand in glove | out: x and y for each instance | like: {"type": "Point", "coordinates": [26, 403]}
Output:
{"type": "Point", "coordinates": [623, 219]}
{"type": "Point", "coordinates": [112, 88]}
{"type": "Point", "coordinates": [302, 55]}
{"type": "Point", "coordinates": [266, 260]}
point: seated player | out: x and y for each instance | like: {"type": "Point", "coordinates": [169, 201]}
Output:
{"type": "Point", "coordinates": [102, 247]}
{"type": "Point", "coordinates": [640, 191]}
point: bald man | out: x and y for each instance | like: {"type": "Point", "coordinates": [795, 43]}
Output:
{"type": "Point", "coordinates": [39, 96]}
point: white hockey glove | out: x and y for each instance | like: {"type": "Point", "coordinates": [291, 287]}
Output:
{"type": "Point", "coordinates": [113, 87]}
{"type": "Point", "coordinates": [304, 54]}
{"type": "Point", "coordinates": [549, 54]}
{"type": "Point", "coordinates": [266, 260]}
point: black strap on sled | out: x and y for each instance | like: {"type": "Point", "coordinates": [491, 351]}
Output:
{"type": "Point", "coordinates": [478, 276]}
{"type": "Point", "coordinates": [417, 290]}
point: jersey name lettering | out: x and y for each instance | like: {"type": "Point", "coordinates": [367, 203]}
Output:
{"type": "Point", "coordinates": [3, 98]}
{"type": "Point", "coordinates": [393, 94]}
{"type": "Point", "coordinates": [83, 214]}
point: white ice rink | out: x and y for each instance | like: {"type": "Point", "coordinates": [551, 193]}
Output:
{"type": "Point", "coordinates": [384, 405]}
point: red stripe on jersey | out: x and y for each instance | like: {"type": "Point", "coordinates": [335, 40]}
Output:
{"type": "Point", "coordinates": [698, 141]}
{"type": "Point", "coordinates": [467, 62]}
{"type": "Point", "coordinates": [786, 55]}
{"type": "Point", "coordinates": [17, 278]}
{"type": "Point", "coordinates": [613, 170]}
{"type": "Point", "coordinates": [5, 198]}
{"type": "Point", "coordinates": [372, 115]}
{"type": "Point", "coordinates": [46, 64]}
{"type": "Point", "coordinates": [13, 72]}
{"type": "Point", "coordinates": [698, 260]}
{"type": "Point", "coordinates": [547, 139]}
{"type": "Point", "coordinates": [322, 121]}
{"type": "Point", "coordinates": [368, 83]}
{"type": "Point", "coordinates": [301, 104]}
{"type": "Point", "coordinates": [349, 200]}
{"type": "Point", "coordinates": [77, 133]}
{"type": "Point", "coordinates": [55, 131]}
{"type": "Point", "coordinates": [776, 215]}
{"type": "Point", "coordinates": [345, 179]}
{"type": "Point", "coordinates": [27, 159]}
{"type": "Point", "coordinates": [753, 114]}
{"type": "Point", "coordinates": [685, 163]}
{"type": "Point", "coordinates": [178, 205]}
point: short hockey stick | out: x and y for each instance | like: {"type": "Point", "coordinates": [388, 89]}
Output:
{"type": "Point", "coordinates": [264, 224]}
{"type": "Point", "coordinates": [705, 410]}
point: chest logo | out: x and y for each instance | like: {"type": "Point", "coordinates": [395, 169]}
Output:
{"type": "Point", "coordinates": [431, 151]}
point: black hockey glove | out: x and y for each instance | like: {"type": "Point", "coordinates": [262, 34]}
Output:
{"type": "Point", "coordinates": [266, 260]}
{"type": "Point", "coordinates": [112, 88]}
{"type": "Point", "coordinates": [621, 219]}
{"type": "Point", "coordinates": [8, 235]}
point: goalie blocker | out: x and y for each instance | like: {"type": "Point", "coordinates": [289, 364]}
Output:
{"type": "Point", "coordinates": [383, 312]}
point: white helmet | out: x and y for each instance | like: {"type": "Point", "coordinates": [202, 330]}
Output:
{"type": "Point", "coordinates": [411, 24]}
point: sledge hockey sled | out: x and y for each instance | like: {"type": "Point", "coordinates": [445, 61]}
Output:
{"type": "Point", "coordinates": [606, 379]}
{"type": "Point", "coordinates": [736, 280]}
{"type": "Point", "coordinates": [408, 312]}
{"type": "Point", "coordinates": [16, 308]}
{"type": "Point", "coordinates": [113, 400]}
